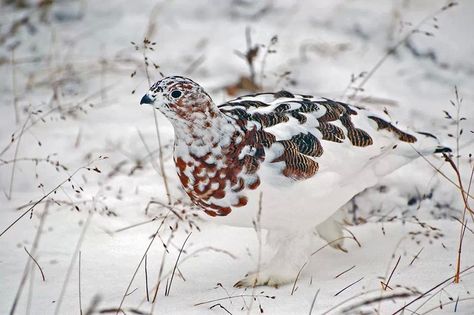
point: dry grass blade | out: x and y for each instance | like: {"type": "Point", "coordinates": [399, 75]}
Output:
{"type": "Point", "coordinates": [385, 285]}
{"type": "Point", "coordinates": [314, 302]}
{"type": "Point", "coordinates": [235, 297]}
{"type": "Point", "coordinates": [27, 267]}
{"type": "Point", "coordinates": [468, 195]}
{"type": "Point", "coordinates": [221, 306]}
{"type": "Point", "coordinates": [140, 263]}
{"type": "Point", "coordinates": [135, 225]}
{"type": "Point", "coordinates": [348, 300]}
{"type": "Point", "coordinates": [71, 264]}
{"type": "Point", "coordinates": [429, 291]}
{"type": "Point", "coordinates": [416, 256]}
{"type": "Point", "coordinates": [146, 279]}
{"type": "Point", "coordinates": [348, 286]}
{"type": "Point", "coordinates": [17, 147]}
{"type": "Point", "coordinates": [293, 288]}
{"type": "Point", "coordinates": [36, 263]}
{"type": "Point", "coordinates": [467, 207]}
{"type": "Point", "coordinates": [168, 289]}
{"type": "Point", "coordinates": [352, 308]}
{"type": "Point", "coordinates": [448, 303]}
{"type": "Point", "coordinates": [160, 156]}
{"type": "Point", "coordinates": [464, 193]}
{"type": "Point", "coordinates": [403, 40]}
{"type": "Point", "coordinates": [318, 250]}
{"type": "Point", "coordinates": [79, 284]}
{"type": "Point", "coordinates": [344, 272]}
{"type": "Point", "coordinates": [30, 209]}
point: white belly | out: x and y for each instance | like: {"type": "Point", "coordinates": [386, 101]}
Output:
{"type": "Point", "coordinates": [301, 205]}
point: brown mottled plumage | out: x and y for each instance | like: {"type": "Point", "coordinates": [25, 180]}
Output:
{"type": "Point", "coordinates": [298, 156]}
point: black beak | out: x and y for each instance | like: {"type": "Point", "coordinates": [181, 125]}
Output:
{"type": "Point", "coordinates": [146, 100]}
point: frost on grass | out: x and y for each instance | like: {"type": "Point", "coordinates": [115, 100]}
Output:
{"type": "Point", "coordinates": [93, 219]}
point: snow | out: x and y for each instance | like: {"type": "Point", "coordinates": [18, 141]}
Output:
{"type": "Point", "coordinates": [80, 54]}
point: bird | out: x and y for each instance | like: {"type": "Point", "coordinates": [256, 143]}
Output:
{"type": "Point", "coordinates": [287, 161]}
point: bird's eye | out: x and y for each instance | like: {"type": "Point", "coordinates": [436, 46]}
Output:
{"type": "Point", "coordinates": [176, 94]}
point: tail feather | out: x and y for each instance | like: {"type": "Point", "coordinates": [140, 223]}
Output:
{"type": "Point", "coordinates": [442, 149]}
{"type": "Point", "coordinates": [439, 148]}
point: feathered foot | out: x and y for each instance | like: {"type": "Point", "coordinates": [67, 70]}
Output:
{"type": "Point", "coordinates": [293, 251]}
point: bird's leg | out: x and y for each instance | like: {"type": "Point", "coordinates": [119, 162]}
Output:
{"type": "Point", "coordinates": [331, 231]}
{"type": "Point", "coordinates": [293, 251]}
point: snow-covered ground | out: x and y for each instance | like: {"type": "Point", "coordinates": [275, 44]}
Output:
{"type": "Point", "coordinates": [72, 79]}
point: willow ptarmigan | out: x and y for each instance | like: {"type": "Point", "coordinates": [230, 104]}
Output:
{"type": "Point", "coordinates": [303, 157]}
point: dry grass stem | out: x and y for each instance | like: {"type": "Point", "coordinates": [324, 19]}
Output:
{"type": "Point", "coordinates": [348, 286]}
{"type": "Point", "coordinates": [31, 208]}
{"type": "Point", "coordinates": [27, 266]}
{"type": "Point", "coordinates": [168, 289]}
{"type": "Point", "coordinates": [422, 295]}
{"type": "Point", "coordinates": [385, 285]}
{"type": "Point", "coordinates": [140, 263]}
{"type": "Point", "coordinates": [36, 263]}
{"type": "Point", "coordinates": [71, 264]}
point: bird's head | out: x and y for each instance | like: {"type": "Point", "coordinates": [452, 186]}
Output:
{"type": "Point", "coordinates": [179, 99]}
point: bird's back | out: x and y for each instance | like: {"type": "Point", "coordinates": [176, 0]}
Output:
{"type": "Point", "coordinates": [317, 153]}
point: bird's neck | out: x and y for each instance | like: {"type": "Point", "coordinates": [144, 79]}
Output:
{"type": "Point", "coordinates": [209, 133]}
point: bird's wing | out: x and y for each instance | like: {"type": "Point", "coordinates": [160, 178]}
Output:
{"type": "Point", "coordinates": [303, 135]}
